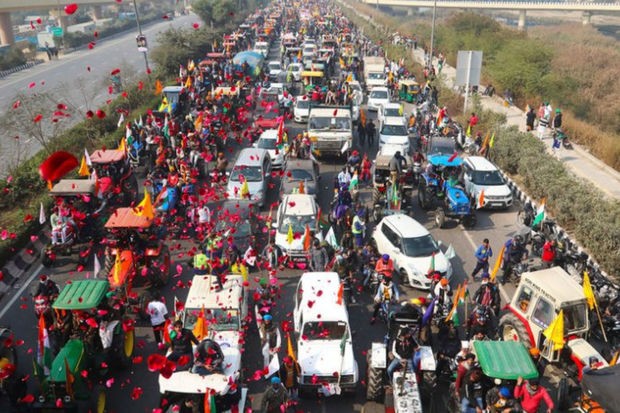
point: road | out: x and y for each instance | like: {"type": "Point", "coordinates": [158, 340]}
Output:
{"type": "Point", "coordinates": [71, 82]}
{"type": "Point", "coordinates": [17, 311]}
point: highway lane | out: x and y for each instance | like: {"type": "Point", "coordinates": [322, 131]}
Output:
{"type": "Point", "coordinates": [70, 81]}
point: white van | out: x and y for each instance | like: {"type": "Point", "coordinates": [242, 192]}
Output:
{"type": "Point", "coordinates": [296, 211]}
{"type": "Point", "coordinates": [253, 165]}
{"type": "Point", "coordinates": [324, 343]}
{"type": "Point", "coordinates": [479, 174]}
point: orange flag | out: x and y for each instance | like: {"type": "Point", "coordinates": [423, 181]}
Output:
{"type": "Point", "coordinates": [481, 199]}
{"type": "Point", "coordinates": [340, 294]}
{"type": "Point", "coordinates": [167, 338]}
{"type": "Point", "coordinates": [69, 378]}
{"type": "Point", "coordinates": [307, 238]}
{"type": "Point", "coordinates": [158, 87]}
{"type": "Point", "coordinates": [289, 347]}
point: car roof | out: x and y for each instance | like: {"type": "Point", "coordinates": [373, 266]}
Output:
{"type": "Point", "coordinates": [406, 226]}
{"type": "Point", "coordinates": [241, 207]}
{"type": "Point", "coordinates": [556, 283]}
{"type": "Point", "coordinates": [306, 164]}
{"type": "Point", "coordinates": [392, 105]}
{"type": "Point", "coordinates": [203, 292]}
{"type": "Point", "coordinates": [321, 288]}
{"type": "Point", "coordinates": [480, 163]}
{"type": "Point", "coordinates": [128, 218]}
{"type": "Point", "coordinates": [107, 156]}
{"type": "Point", "coordinates": [299, 204]}
{"type": "Point", "coordinates": [269, 134]}
{"type": "Point", "coordinates": [379, 88]}
{"type": "Point", "coordinates": [394, 121]}
{"type": "Point", "coordinates": [251, 156]}
{"type": "Point", "coordinates": [173, 89]}
{"type": "Point", "coordinates": [274, 61]}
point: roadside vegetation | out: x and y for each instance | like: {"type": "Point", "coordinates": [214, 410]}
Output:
{"type": "Point", "coordinates": [594, 221]}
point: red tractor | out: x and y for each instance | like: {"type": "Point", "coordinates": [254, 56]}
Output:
{"type": "Point", "coordinates": [115, 178]}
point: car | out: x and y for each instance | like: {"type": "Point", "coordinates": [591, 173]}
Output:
{"type": "Point", "coordinates": [390, 110]}
{"type": "Point", "coordinates": [412, 248]}
{"type": "Point", "coordinates": [439, 147]}
{"type": "Point", "coordinates": [301, 109]}
{"type": "Point", "coordinates": [250, 176]}
{"type": "Point", "coordinates": [309, 51]}
{"type": "Point", "coordinates": [267, 112]}
{"type": "Point", "coordinates": [298, 171]}
{"type": "Point", "coordinates": [478, 175]}
{"type": "Point", "coordinates": [275, 68]}
{"type": "Point", "coordinates": [262, 48]}
{"type": "Point", "coordinates": [236, 219]}
{"type": "Point", "coordinates": [274, 89]}
{"type": "Point", "coordinates": [378, 96]}
{"type": "Point", "coordinates": [268, 140]}
{"type": "Point", "coordinates": [394, 132]}
{"type": "Point", "coordinates": [295, 69]}
{"type": "Point", "coordinates": [295, 213]}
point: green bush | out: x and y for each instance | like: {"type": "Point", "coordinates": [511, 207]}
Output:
{"type": "Point", "coordinates": [11, 58]}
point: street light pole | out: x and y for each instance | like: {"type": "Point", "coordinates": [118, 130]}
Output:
{"type": "Point", "coordinates": [146, 59]}
{"type": "Point", "coordinates": [430, 57]}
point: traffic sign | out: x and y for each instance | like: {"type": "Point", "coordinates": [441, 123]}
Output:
{"type": "Point", "coordinates": [57, 31]}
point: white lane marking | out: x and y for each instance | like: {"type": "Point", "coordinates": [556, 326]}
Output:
{"type": "Point", "coordinates": [20, 291]}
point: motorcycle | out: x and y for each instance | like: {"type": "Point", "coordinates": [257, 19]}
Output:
{"type": "Point", "coordinates": [514, 271]}
{"type": "Point", "coordinates": [417, 172]}
{"type": "Point", "coordinates": [559, 134]}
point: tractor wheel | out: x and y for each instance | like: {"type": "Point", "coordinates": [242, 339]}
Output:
{"type": "Point", "coordinates": [83, 255]}
{"type": "Point", "coordinates": [423, 197]}
{"type": "Point", "coordinates": [46, 257]}
{"type": "Point", "coordinates": [440, 217]}
{"type": "Point", "coordinates": [375, 382]}
{"type": "Point", "coordinates": [376, 196]}
{"type": "Point", "coordinates": [563, 395]}
{"type": "Point", "coordinates": [512, 329]}
{"type": "Point", "coordinates": [469, 221]}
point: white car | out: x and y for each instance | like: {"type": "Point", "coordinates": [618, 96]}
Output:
{"type": "Point", "coordinates": [390, 110]}
{"type": "Point", "coordinates": [394, 132]}
{"type": "Point", "coordinates": [275, 68]}
{"type": "Point", "coordinates": [262, 48]}
{"type": "Point", "coordinates": [479, 174]}
{"type": "Point", "coordinates": [268, 141]}
{"type": "Point", "coordinates": [295, 69]}
{"type": "Point", "coordinates": [412, 248]}
{"type": "Point", "coordinates": [295, 213]}
{"type": "Point", "coordinates": [275, 88]}
{"type": "Point", "coordinates": [378, 96]}
{"type": "Point", "coordinates": [301, 109]}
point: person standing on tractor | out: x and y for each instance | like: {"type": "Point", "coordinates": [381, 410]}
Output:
{"type": "Point", "coordinates": [387, 292]}
{"type": "Point", "coordinates": [483, 253]}
{"type": "Point", "coordinates": [532, 395]}
{"type": "Point", "coordinates": [396, 165]}
{"type": "Point", "coordinates": [404, 349]}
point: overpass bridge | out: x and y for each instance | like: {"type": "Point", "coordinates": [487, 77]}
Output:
{"type": "Point", "coordinates": [588, 8]}
{"type": "Point", "coordinates": [8, 6]}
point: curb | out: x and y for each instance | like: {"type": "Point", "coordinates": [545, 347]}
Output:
{"type": "Point", "coordinates": [16, 69]}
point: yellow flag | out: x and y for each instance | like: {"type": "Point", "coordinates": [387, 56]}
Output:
{"type": "Point", "coordinates": [188, 82]}
{"type": "Point", "coordinates": [555, 331]}
{"type": "Point", "coordinates": [158, 87]}
{"type": "Point", "coordinates": [116, 273]}
{"type": "Point", "coordinates": [191, 66]}
{"type": "Point", "coordinates": [200, 328]}
{"type": "Point", "coordinates": [587, 291]}
{"type": "Point", "coordinates": [122, 145]}
{"type": "Point", "coordinates": [145, 207]}
{"type": "Point", "coordinates": [289, 236]}
{"type": "Point", "coordinates": [83, 168]}
{"type": "Point", "coordinates": [492, 141]}
{"type": "Point", "coordinates": [468, 132]}
{"type": "Point", "coordinates": [245, 189]}
{"type": "Point", "coordinates": [289, 347]}
{"type": "Point", "coordinates": [164, 105]}
{"type": "Point", "coordinates": [350, 77]}
{"type": "Point", "coordinates": [498, 263]}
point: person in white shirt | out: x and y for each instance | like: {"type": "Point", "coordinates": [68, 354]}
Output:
{"type": "Point", "coordinates": [158, 313]}
{"type": "Point", "coordinates": [344, 177]}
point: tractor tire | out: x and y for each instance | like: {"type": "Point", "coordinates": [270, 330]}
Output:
{"type": "Point", "coordinates": [83, 255]}
{"type": "Point", "coordinates": [512, 329]}
{"type": "Point", "coordinates": [563, 395]}
{"type": "Point", "coordinates": [440, 217]}
{"type": "Point", "coordinates": [423, 197]}
{"type": "Point", "coordinates": [376, 196]}
{"type": "Point", "coordinates": [469, 221]}
{"type": "Point", "coordinates": [46, 258]}
{"type": "Point", "coordinates": [375, 382]}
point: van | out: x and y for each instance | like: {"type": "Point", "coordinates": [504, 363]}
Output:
{"type": "Point", "coordinates": [479, 174]}
{"type": "Point", "coordinates": [324, 344]}
{"type": "Point", "coordinates": [253, 165]}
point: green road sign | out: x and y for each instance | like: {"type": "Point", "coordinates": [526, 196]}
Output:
{"type": "Point", "coordinates": [57, 31]}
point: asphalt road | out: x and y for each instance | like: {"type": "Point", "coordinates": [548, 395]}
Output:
{"type": "Point", "coordinates": [70, 81]}
{"type": "Point", "coordinates": [16, 308]}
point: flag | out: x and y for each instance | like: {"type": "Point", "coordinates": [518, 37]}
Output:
{"type": "Point", "coordinates": [245, 189]}
{"type": "Point", "coordinates": [468, 132]}
{"type": "Point", "coordinates": [289, 235]}
{"type": "Point", "coordinates": [280, 132]}
{"type": "Point", "coordinates": [164, 107]}
{"type": "Point", "coordinates": [163, 194]}
{"type": "Point", "coordinates": [428, 314]}
{"type": "Point", "coordinates": [453, 156]}
{"type": "Point", "coordinates": [587, 291]}
{"type": "Point", "coordinates": [498, 263]}
{"type": "Point", "coordinates": [87, 156]}
{"type": "Point", "coordinates": [167, 326]}
{"type": "Point", "coordinates": [330, 238]}
{"type": "Point", "coordinates": [450, 253]}
{"type": "Point", "coordinates": [289, 348]}
{"type": "Point", "coordinates": [97, 268]}
{"type": "Point", "coordinates": [140, 122]}
{"type": "Point", "coordinates": [614, 359]}
{"type": "Point", "coordinates": [68, 378]}
{"type": "Point", "coordinates": [307, 238]}
{"type": "Point", "coordinates": [431, 268]}
{"type": "Point", "coordinates": [122, 145]}
{"type": "Point", "coordinates": [145, 207]}
{"type": "Point", "coordinates": [116, 271]}
{"type": "Point", "coordinates": [200, 328]}
{"type": "Point", "coordinates": [191, 66]}
{"type": "Point", "coordinates": [350, 77]}
{"type": "Point", "coordinates": [274, 365]}
{"type": "Point", "coordinates": [128, 130]}
{"type": "Point", "coordinates": [158, 87]}
{"type": "Point", "coordinates": [540, 214]}
{"type": "Point", "coordinates": [209, 404]}
{"type": "Point", "coordinates": [492, 141]}
{"type": "Point", "coordinates": [481, 199]}
{"type": "Point", "coordinates": [340, 294]}
{"type": "Point", "coordinates": [555, 331]}
{"type": "Point", "coordinates": [302, 188]}
{"type": "Point", "coordinates": [198, 123]}
{"type": "Point", "coordinates": [83, 171]}
{"type": "Point", "coordinates": [44, 351]}
{"type": "Point", "coordinates": [485, 143]}
{"type": "Point", "coordinates": [42, 217]}
{"type": "Point", "coordinates": [188, 82]}
{"type": "Point", "coordinates": [121, 120]}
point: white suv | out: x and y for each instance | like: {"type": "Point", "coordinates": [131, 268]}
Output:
{"type": "Point", "coordinates": [296, 211]}
{"type": "Point", "coordinates": [394, 132]}
{"type": "Point", "coordinates": [378, 96]}
{"type": "Point", "coordinates": [411, 247]}
{"type": "Point", "coordinates": [479, 174]}
{"type": "Point", "coordinates": [324, 343]}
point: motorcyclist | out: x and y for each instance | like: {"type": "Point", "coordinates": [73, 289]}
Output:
{"type": "Point", "coordinates": [385, 266]}
{"type": "Point", "coordinates": [47, 288]}
{"type": "Point", "coordinates": [514, 252]}
{"type": "Point", "coordinates": [488, 294]}
{"type": "Point", "coordinates": [387, 292]}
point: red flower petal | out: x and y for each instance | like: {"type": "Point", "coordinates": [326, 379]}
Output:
{"type": "Point", "coordinates": [156, 362]}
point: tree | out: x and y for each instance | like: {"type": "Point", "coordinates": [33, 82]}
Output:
{"type": "Point", "coordinates": [215, 12]}
{"type": "Point", "coordinates": [204, 10]}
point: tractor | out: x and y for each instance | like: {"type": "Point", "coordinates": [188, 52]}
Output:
{"type": "Point", "coordinates": [97, 336]}
{"type": "Point", "coordinates": [9, 382]}
{"type": "Point", "coordinates": [439, 188]}
{"type": "Point", "coordinates": [83, 223]}
{"type": "Point", "coordinates": [116, 181]}
{"type": "Point", "coordinates": [137, 262]}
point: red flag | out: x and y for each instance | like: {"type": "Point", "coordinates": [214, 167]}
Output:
{"type": "Point", "coordinates": [280, 132]}
{"type": "Point", "coordinates": [453, 157]}
{"type": "Point", "coordinates": [167, 338]}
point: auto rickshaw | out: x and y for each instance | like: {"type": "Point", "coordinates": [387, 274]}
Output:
{"type": "Point", "coordinates": [311, 78]}
{"type": "Point", "coordinates": [409, 91]}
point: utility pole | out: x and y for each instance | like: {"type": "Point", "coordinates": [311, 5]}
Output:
{"type": "Point", "coordinates": [141, 39]}
{"type": "Point", "coordinates": [429, 63]}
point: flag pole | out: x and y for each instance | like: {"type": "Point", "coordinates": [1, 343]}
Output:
{"type": "Point", "coordinates": [600, 320]}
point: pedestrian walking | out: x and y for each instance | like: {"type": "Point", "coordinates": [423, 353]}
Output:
{"type": "Point", "coordinates": [482, 254]}
{"type": "Point", "coordinates": [289, 375]}
{"type": "Point", "coordinates": [275, 398]}
{"type": "Point", "coordinates": [371, 132]}
{"type": "Point", "coordinates": [158, 314]}
{"type": "Point", "coordinates": [530, 118]}
{"type": "Point", "coordinates": [361, 134]}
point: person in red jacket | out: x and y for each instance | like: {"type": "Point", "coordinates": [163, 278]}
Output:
{"type": "Point", "coordinates": [548, 253]}
{"type": "Point", "coordinates": [532, 394]}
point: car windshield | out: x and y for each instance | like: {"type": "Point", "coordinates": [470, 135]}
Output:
{"type": "Point", "coordinates": [218, 319]}
{"type": "Point", "coordinates": [242, 229]}
{"type": "Point", "coordinates": [324, 330]}
{"type": "Point", "coordinates": [392, 112]}
{"type": "Point", "coordinates": [318, 123]}
{"type": "Point", "coordinates": [299, 175]}
{"type": "Point", "coordinates": [298, 223]}
{"type": "Point", "coordinates": [441, 149]}
{"type": "Point", "coordinates": [303, 104]}
{"type": "Point", "coordinates": [394, 130]}
{"type": "Point", "coordinates": [487, 178]}
{"type": "Point", "coordinates": [378, 94]}
{"type": "Point", "coordinates": [575, 317]}
{"type": "Point", "coordinates": [250, 173]}
{"type": "Point", "coordinates": [267, 143]}
{"type": "Point", "coordinates": [376, 75]}
{"type": "Point", "coordinates": [275, 66]}
{"type": "Point", "coordinates": [420, 246]}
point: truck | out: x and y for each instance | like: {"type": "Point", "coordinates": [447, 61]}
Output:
{"type": "Point", "coordinates": [374, 72]}
{"type": "Point", "coordinates": [330, 129]}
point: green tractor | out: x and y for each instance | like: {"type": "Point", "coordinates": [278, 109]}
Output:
{"type": "Point", "coordinates": [96, 336]}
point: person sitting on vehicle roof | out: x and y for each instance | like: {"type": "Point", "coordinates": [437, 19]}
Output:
{"type": "Point", "coordinates": [208, 358]}
{"type": "Point", "coordinates": [181, 340]}
{"type": "Point", "coordinates": [405, 349]}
